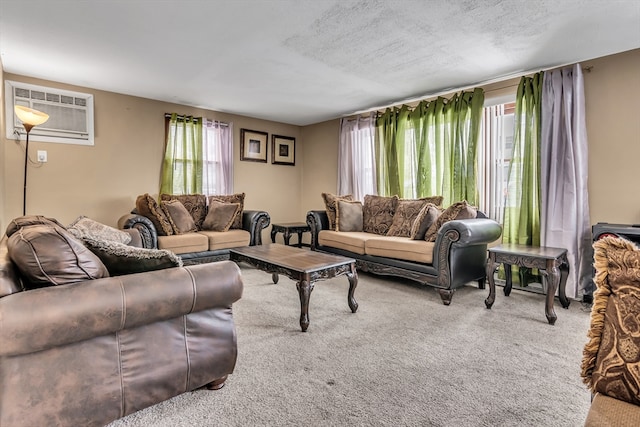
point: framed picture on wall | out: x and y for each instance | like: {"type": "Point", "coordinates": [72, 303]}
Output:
{"type": "Point", "coordinates": [253, 145]}
{"type": "Point", "coordinates": [283, 150]}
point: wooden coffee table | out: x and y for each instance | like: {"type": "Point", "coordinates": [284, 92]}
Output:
{"type": "Point", "coordinates": [304, 266]}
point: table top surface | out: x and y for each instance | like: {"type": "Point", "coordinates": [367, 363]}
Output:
{"type": "Point", "coordinates": [290, 225]}
{"type": "Point", "coordinates": [292, 258]}
{"type": "Point", "coordinates": [532, 251]}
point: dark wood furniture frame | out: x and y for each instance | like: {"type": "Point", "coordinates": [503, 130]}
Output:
{"type": "Point", "coordinates": [288, 229]}
{"type": "Point", "coordinates": [303, 266]}
{"type": "Point", "coordinates": [552, 263]}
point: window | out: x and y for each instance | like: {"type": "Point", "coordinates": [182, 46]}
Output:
{"type": "Point", "coordinates": [217, 168]}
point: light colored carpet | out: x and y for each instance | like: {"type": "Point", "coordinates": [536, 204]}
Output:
{"type": "Point", "coordinates": [403, 359]}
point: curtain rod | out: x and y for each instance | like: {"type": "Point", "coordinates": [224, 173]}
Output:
{"type": "Point", "coordinates": [182, 117]}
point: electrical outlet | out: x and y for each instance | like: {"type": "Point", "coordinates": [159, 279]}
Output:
{"type": "Point", "coordinates": [42, 156]}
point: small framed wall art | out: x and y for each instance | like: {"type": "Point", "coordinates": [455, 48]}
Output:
{"type": "Point", "coordinates": [253, 145]}
{"type": "Point", "coordinates": [283, 150]}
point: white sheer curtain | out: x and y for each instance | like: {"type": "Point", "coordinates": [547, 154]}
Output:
{"type": "Point", "coordinates": [564, 216]}
{"type": "Point", "coordinates": [491, 163]}
{"type": "Point", "coordinates": [217, 175]}
{"type": "Point", "coordinates": [356, 157]}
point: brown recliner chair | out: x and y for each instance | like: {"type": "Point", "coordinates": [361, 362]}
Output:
{"type": "Point", "coordinates": [89, 352]}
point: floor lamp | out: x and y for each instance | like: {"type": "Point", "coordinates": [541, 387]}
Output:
{"type": "Point", "coordinates": [30, 118]}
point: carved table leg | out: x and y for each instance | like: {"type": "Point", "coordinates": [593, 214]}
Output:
{"type": "Point", "coordinates": [552, 277]}
{"type": "Point", "coordinates": [304, 290]}
{"type": "Point", "coordinates": [274, 278]}
{"type": "Point", "coordinates": [491, 269]}
{"type": "Point", "coordinates": [287, 237]}
{"type": "Point", "coordinates": [299, 239]}
{"type": "Point", "coordinates": [217, 384]}
{"type": "Point", "coordinates": [353, 282]}
{"type": "Point", "coordinates": [507, 279]}
{"type": "Point", "coordinates": [273, 235]}
{"type": "Point", "coordinates": [564, 273]}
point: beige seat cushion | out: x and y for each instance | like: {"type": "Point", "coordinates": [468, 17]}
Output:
{"type": "Point", "coordinates": [400, 248]}
{"type": "Point", "coordinates": [352, 241]}
{"type": "Point", "coordinates": [233, 238]}
{"type": "Point", "coordinates": [184, 243]}
{"type": "Point", "coordinates": [607, 411]}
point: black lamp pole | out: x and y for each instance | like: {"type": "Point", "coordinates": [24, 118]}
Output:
{"type": "Point", "coordinates": [28, 128]}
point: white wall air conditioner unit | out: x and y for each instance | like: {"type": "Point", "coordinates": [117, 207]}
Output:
{"type": "Point", "coordinates": [70, 113]}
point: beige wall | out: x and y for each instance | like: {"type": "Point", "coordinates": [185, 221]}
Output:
{"type": "Point", "coordinates": [103, 181]}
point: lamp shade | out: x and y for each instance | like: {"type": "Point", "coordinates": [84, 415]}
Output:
{"type": "Point", "coordinates": [29, 116]}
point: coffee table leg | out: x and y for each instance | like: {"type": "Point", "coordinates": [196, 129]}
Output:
{"type": "Point", "coordinates": [564, 273]}
{"type": "Point", "coordinates": [353, 282]}
{"type": "Point", "coordinates": [304, 290]}
{"type": "Point", "coordinates": [491, 269]}
{"type": "Point", "coordinates": [274, 278]}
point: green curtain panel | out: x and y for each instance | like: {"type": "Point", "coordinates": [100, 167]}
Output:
{"type": "Point", "coordinates": [522, 211]}
{"type": "Point", "coordinates": [432, 149]}
{"type": "Point", "coordinates": [182, 165]}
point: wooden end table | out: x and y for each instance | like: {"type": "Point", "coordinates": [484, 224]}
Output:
{"type": "Point", "coordinates": [552, 263]}
{"type": "Point", "coordinates": [288, 228]}
{"type": "Point", "coordinates": [304, 266]}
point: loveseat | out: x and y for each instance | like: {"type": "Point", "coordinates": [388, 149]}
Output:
{"type": "Point", "coordinates": [179, 223]}
{"type": "Point", "coordinates": [82, 347]}
{"type": "Point", "coordinates": [611, 356]}
{"type": "Point", "coordinates": [456, 256]}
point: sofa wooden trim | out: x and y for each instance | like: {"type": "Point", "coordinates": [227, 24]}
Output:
{"type": "Point", "coordinates": [459, 254]}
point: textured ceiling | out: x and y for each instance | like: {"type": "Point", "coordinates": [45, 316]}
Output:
{"type": "Point", "coordinates": [303, 61]}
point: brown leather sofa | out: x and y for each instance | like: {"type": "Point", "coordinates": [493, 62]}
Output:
{"type": "Point", "coordinates": [89, 352]}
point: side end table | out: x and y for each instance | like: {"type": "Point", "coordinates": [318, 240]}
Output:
{"type": "Point", "coordinates": [552, 263]}
{"type": "Point", "coordinates": [289, 228]}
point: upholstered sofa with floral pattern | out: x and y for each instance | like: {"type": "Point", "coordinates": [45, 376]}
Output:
{"type": "Point", "coordinates": [414, 239]}
{"type": "Point", "coordinates": [611, 357]}
{"type": "Point", "coordinates": [195, 227]}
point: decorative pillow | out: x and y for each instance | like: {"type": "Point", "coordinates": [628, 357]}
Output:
{"type": "Point", "coordinates": [48, 255]}
{"type": "Point", "coordinates": [23, 221]}
{"type": "Point", "coordinates": [406, 212]}
{"type": "Point", "coordinates": [196, 205]}
{"type": "Point", "coordinates": [181, 219]}
{"type": "Point", "coordinates": [330, 206]}
{"type": "Point", "coordinates": [436, 200]}
{"type": "Point", "coordinates": [377, 213]}
{"type": "Point", "coordinates": [221, 215]}
{"type": "Point", "coordinates": [122, 259]}
{"type": "Point", "coordinates": [458, 210]}
{"type": "Point", "coordinates": [84, 227]}
{"type": "Point", "coordinates": [348, 216]}
{"type": "Point", "coordinates": [148, 207]}
{"type": "Point", "coordinates": [611, 357]}
{"type": "Point", "coordinates": [427, 215]}
{"type": "Point", "coordinates": [232, 198]}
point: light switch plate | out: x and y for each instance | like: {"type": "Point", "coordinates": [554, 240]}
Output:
{"type": "Point", "coordinates": [42, 156]}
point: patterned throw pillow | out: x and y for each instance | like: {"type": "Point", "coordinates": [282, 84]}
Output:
{"type": "Point", "coordinates": [436, 200]}
{"type": "Point", "coordinates": [221, 215]}
{"type": "Point", "coordinates": [458, 210]}
{"type": "Point", "coordinates": [330, 206]}
{"type": "Point", "coordinates": [84, 227]}
{"type": "Point", "coordinates": [181, 220]}
{"type": "Point", "coordinates": [427, 216]}
{"type": "Point", "coordinates": [377, 213]}
{"type": "Point", "coordinates": [348, 216]}
{"type": "Point", "coordinates": [147, 206]}
{"type": "Point", "coordinates": [196, 205]}
{"type": "Point", "coordinates": [232, 198]}
{"type": "Point", "coordinates": [406, 212]}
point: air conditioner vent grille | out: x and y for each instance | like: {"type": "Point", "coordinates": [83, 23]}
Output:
{"type": "Point", "coordinates": [36, 94]}
{"type": "Point", "coordinates": [81, 101]}
{"type": "Point", "coordinates": [52, 97]}
{"type": "Point", "coordinates": [23, 93]}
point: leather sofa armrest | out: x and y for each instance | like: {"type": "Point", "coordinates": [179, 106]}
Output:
{"type": "Point", "coordinates": [145, 227]}
{"type": "Point", "coordinates": [48, 317]}
{"type": "Point", "coordinates": [317, 220]}
{"type": "Point", "coordinates": [254, 222]}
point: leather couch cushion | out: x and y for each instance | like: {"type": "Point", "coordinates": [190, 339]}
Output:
{"type": "Point", "coordinates": [184, 243]}
{"type": "Point", "coordinates": [181, 219]}
{"type": "Point", "coordinates": [84, 227]}
{"type": "Point", "coordinates": [400, 248]}
{"type": "Point", "coordinates": [458, 210]}
{"type": "Point", "coordinates": [23, 221]}
{"type": "Point", "coordinates": [47, 254]}
{"type": "Point", "coordinates": [196, 205]}
{"type": "Point", "coordinates": [226, 239]}
{"type": "Point", "coordinates": [123, 259]}
{"type": "Point", "coordinates": [232, 198]}
{"type": "Point", "coordinates": [148, 207]}
{"type": "Point", "coordinates": [377, 213]}
{"type": "Point", "coordinates": [352, 241]}
{"type": "Point", "coordinates": [330, 206]}
{"type": "Point", "coordinates": [348, 216]}
{"type": "Point", "coordinates": [221, 215]}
